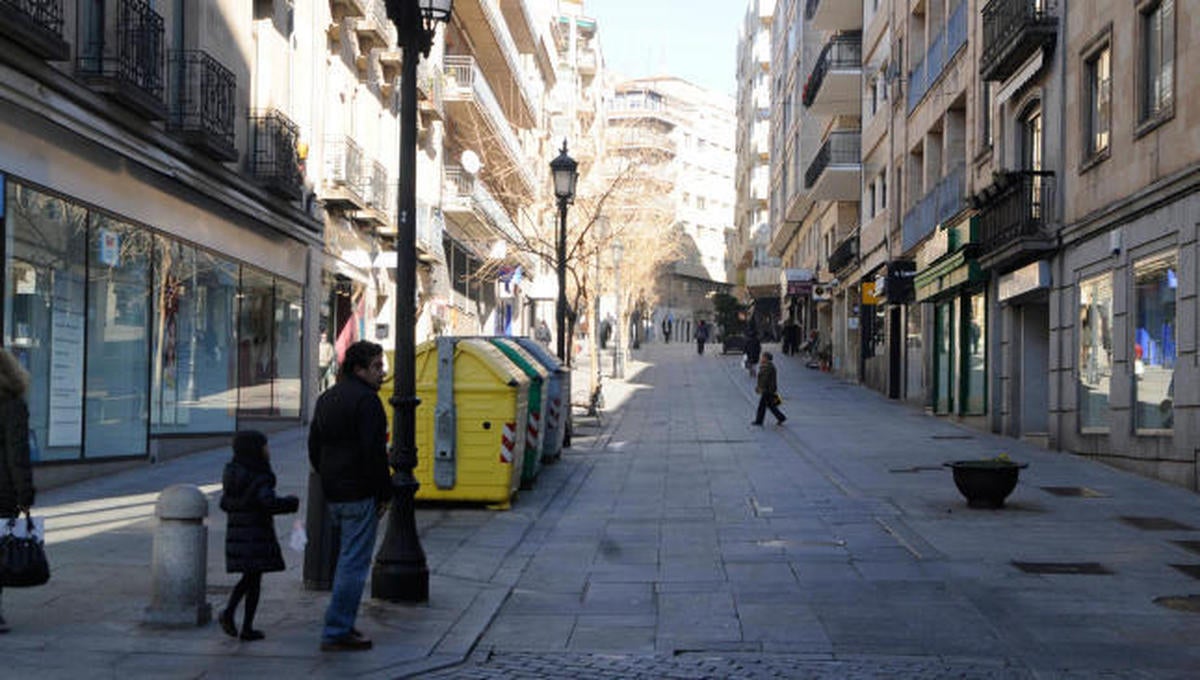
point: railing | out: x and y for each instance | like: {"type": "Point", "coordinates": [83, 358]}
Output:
{"type": "Point", "coordinates": [38, 24]}
{"type": "Point", "coordinates": [840, 148]}
{"type": "Point", "coordinates": [274, 161]}
{"type": "Point", "coordinates": [942, 48]}
{"type": "Point", "coordinates": [136, 58]}
{"type": "Point", "coordinates": [466, 82]}
{"type": "Point", "coordinates": [375, 191]}
{"type": "Point", "coordinates": [430, 225]}
{"type": "Point", "coordinates": [844, 255]}
{"type": "Point", "coordinates": [202, 105]}
{"type": "Point", "coordinates": [470, 191]}
{"type": "Point", "coordinates": [935, 207]}
{"type": "Point", "coordinates": [344, 163]}
{"type": "Point", "coordinates": [1004, 21]}
{"type": "Point", "coordinates": [500, 29]}
{"type": "Point", "coordinates": [1020, 209]}
{"type": "Point", "coordinates": [843, 51]}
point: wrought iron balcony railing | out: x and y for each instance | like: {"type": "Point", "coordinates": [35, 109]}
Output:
{"type": "Point", "coordinates": [843, 51]}
{"type": "Point", "coordinates": [1012, 31]}
{"type": "Point", "coordinates": [202, 103]}
{"type": "Point", "coordinates": [1015, 206]}
{"type": "Point", "coordinates": [844, 255]}
{"type": "Point", "coordinates": [274, 161]}
{"type": "Point", "coordinates": [36, 24]}
{"type": "Point", "coordinates": [344, 169]}
{"type": "Point", "coordinates": [121, 53]}
{"type": "Point", "coordinates": [840, 148]}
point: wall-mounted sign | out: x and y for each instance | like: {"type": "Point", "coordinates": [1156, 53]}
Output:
{"type": "Point", "coordinates": [1031, 277]}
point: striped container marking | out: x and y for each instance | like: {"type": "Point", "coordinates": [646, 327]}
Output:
{"type": "Point", "coordinates": [507, 441]}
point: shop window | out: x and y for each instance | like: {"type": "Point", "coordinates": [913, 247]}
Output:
{"type": "Point", "coordinates": [974, 367]}
{"type": "Point", "coordinates": [943, 361]}
{"type": "Point", "coordinates": [46, 272]}
{"type": "Point", "coordinates": [192, 364]}
{"type": "Point", "coordinates": [256, 368]}
{"type": "Point", "coordinates": [289, 329]}
{"type": "Point", "coordinates": [117, 408]}
{"type": "Point", "coordinates": [1095, 350]}
{"type": "Point", "coordinates": [1156, 286]}
{"type": "Point", "coordinates": [914, 351]}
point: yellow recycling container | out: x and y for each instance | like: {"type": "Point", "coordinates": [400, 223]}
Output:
{"type": "Point", "coordinates": [470, 423]}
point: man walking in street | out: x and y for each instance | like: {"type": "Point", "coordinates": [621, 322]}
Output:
{"type": "Point", "coordinates": [347, 446]}
{"type": "Point", "coordinates": [768, 391]}
{"type": "Point", "coordinates": [701, 336]}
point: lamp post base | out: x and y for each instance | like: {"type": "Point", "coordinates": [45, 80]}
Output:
{"type": "Point", "coordinates": [400, 573]}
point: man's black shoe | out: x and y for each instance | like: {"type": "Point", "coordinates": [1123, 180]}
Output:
{"type": "Point", "coordinates": [755, 422]}
{"type": "Point", "coordinates": [782, 420]}
{"type": "Point", "coordinates": [346, 643]}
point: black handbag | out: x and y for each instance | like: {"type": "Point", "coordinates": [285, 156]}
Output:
{"type": "Point", "coordinates": [23, 560]}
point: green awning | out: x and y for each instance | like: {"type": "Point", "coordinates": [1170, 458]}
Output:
{"type": "Point", "coordinates": [947, 275]}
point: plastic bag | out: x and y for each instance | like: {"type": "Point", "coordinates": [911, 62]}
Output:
{"type": "Point", "coordinates": [299, 538]}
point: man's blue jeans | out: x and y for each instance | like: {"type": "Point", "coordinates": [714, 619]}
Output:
{"type": "Point", "coordinates": [357, 521]}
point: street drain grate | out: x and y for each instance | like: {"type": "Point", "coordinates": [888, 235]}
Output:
{"type": "Point", "coordinates": [1192, 570]}
{"type": "Point", "coordinates": [1066, 568]}
{"type": "Point", "coordinates": [1180, 603]}
{"type": "Point", "coordinates": [1193, 546]}
{"type": "Point", "coordinates": [1073, 491]}
{"type": "Point", "coordinates": [1157, 524]}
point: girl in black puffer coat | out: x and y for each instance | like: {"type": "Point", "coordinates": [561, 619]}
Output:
{"type": "Point", "coordinates": [250, 544]}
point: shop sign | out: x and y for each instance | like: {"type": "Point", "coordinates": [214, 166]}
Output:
{"type": "Point", "coordinates": [1031, 277]}
{"type": "Point", "coordinates": [937, 245]}
{"type": "Point", "coordinates": [869, 293]}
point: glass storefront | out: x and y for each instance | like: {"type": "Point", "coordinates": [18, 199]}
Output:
{"type": "Point", "coordinates": [1155, 288]}
{"type": "Point", "coordinates": [1095, 350]}
{"type": "Point", "coordinates": [975, 354]}
{"type": "Point", "coordinates": [130, 334]}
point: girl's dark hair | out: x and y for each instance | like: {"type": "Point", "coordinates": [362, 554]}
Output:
{"type": "Point", "coordinates": [360, 355]}
{"type": "Point", "coordinates": [249, 443]}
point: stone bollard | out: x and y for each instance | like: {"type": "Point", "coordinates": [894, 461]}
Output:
{"type": "Point", "coordinates": [179, 566]}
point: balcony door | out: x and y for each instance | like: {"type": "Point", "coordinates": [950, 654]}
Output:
{"type": "Point", "coordinates": [1032, 149]}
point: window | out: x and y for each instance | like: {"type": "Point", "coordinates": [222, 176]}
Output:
{"type": "Point", "coordinates": [1157, 60]}
{"type": "Point", "coordinates": [1095, 350]}
{"type": "Point", "coordinates": [974, 354]}
{"type": "Point", "coordinates": [1156, 285]}
{"type": "Point", "coordinates": [871, 201]}
{"type": "Point", "coordinates": [883, 190]}
{"type": "Point", "coordinates": [985, 116]}
{"type": "Point", "coordinates": [1097, 71]}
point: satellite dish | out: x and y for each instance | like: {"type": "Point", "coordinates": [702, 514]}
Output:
{"type": "Point", "coordinates": [470, 162]}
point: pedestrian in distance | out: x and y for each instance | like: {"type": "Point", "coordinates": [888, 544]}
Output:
{"type": "Point", "coordinates": [666, 331]}
{"type": "Point", "coordinates": [768, 391]}
{"type": "Point", "coordinates": [251, 548]}
{"type": "Point", "coordinates": [753, 350]}
{"type": "Point", "coordinates": [701, 336]}
{"type": "Point", "coordinates": [347, 447]}
{"type": "Point", "coordinates": [16, 471]}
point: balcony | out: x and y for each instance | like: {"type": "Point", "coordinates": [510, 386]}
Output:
{"type": "Point", "coordinates": [524, 27]}
{"type": "Point", "coordinates": [835, 85]}
{"type": "Point", "coordinates": [472, 208]}
{"type": "Point", "coordinates": [202, 105]}
{"type": "Point", "coordinates": [121, 55]}
{"type": "Point", "coordinates": [37, 25]}
{"type": "Point", "coordinates": [344, 183]}
{"type": "Point", "coordinates": [378, 209]}
{"type": "Point", "coordinates": [479, 121]}
{"type": "Point", "coordinates": [1015, 217]}
{"type": "Point", "coordinates": [1013, 30]}
{"type": "Point", "coordinates": [835, 173]}
{"type": "Point", "coordinates": [347, 9]}
{"type": "Point", "coordinates": [844, 256]}
{"type": "Point", "coordinates": [652, 145]}
{"type": "Point", "coordinates": [430, 89]}
{"type": "Point", "coordinates": [431, 224]}
{"type": "Point", "coordinates": [834, 15]}
{"type": "Point", "coordinates": [273, 159]}
{"type": "Point", "coordinates": [942, 48]}
{"type": "Point", "coordinates": [373, 27]}
{"type": "Point", "coordinates": [762, 277]}
{"type": "Point", "coordinates": [934, 208]}
{"type": "Point", "coordinates": [587, 61]}
{"type": "Point", "coordinates": [498, 59]}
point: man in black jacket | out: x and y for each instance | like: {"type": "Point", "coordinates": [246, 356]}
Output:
{"type": "Point", "coordinates": [347, 446]}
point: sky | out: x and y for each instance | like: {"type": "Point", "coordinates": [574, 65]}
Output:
{"type": "Point", "coordinates": [692, 39]}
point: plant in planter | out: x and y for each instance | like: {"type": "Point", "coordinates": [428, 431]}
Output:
{"type": "Point", "coordinates": [985, 483]}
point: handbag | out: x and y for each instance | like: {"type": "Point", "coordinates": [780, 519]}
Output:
{"type": "Point", "coordinates": [23, 560]}
{"type": "Point", "coordinates": [776, 400]}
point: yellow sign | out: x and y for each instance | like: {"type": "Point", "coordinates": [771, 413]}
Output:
{"type": "Point", "coordinates": [868, 294]}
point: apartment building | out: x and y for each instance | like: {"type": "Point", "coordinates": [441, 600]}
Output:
{"type": "Point", "coordinates": [754, 272]}
{"type": "Point", "coordinates": [680, 138]}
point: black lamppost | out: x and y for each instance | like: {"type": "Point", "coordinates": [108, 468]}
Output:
{"type": "Point", "coordinates": [618, 252]}
{"type": "Point", "coordinates": [564, 168]}
{"type": "Point", "coordinates": [400, 573]}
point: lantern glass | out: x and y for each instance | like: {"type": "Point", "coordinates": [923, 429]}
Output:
{"type": "Point", "coordinates": [564, 169]}
{"type": "Point", "coordinates": [436, 10]}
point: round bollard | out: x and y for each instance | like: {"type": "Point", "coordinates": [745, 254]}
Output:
{"type": "Point", "coordinates": [179, 565]}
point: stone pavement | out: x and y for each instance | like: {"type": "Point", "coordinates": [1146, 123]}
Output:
{"type": "Point", "coordinates": [675, 540]}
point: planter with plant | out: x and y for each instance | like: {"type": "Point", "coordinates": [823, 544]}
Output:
{"type": "Point", "coordinates": [985, 483]}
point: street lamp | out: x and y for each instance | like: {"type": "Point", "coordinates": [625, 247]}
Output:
{"type": "Point", "coordinates": [564, 169]}
{"type": "Point", "coordinates": [400, 573]}
{"type": "Point", "coordinates": [618, 253]}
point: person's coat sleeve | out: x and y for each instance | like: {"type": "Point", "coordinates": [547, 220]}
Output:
{"type": "Point", "coordinates": [20, 470]}
{"type": "Point", "coordinates": [373, 441]}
